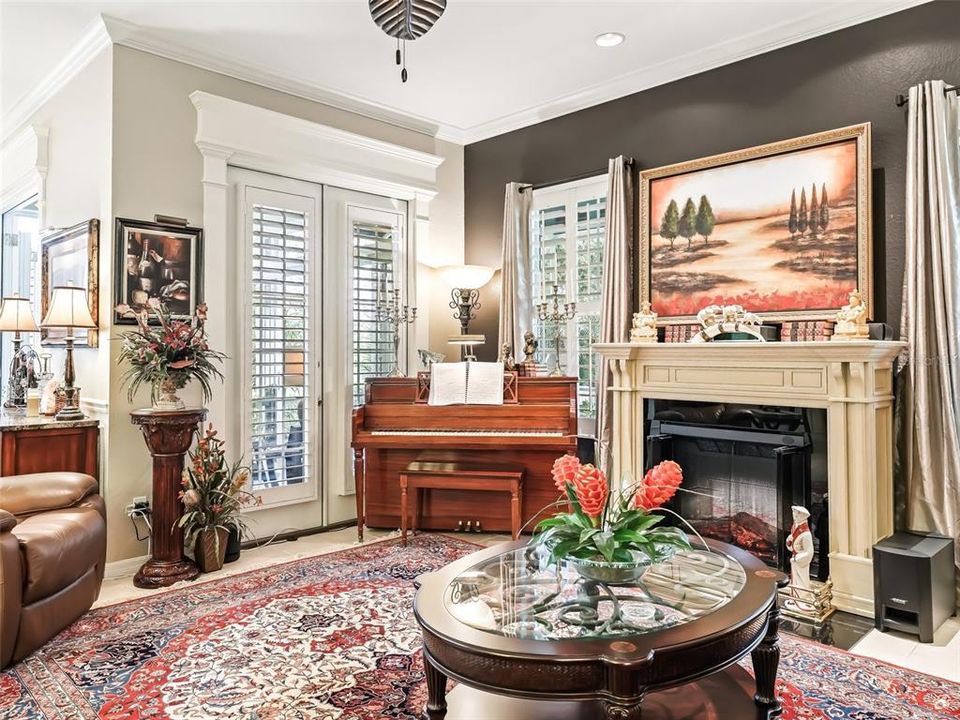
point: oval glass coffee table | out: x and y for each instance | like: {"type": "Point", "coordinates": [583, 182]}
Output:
{"type": "Point", "coordinates": [527, 638]}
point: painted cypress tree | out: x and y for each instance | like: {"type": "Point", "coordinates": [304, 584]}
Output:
{"type": "Point", "coordinates": [669, 225]}
{"type": "Point", "coordinates": [688, 222]}
{"type": "Point", "coordinates": [824, 210]}
{"type": "Point", "coordinates": [792, 223]}
{"type": "Point", "coordinates": [802, 216]}
{"type": "Point", "coordinates": [814, 212]}
{"type": "Point", "coordinates": [705, 219]}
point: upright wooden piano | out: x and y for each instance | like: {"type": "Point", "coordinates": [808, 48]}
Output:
{"type": "Point", "coordinates": [536, 424]}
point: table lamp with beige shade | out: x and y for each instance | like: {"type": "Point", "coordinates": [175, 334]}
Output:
{"type": "Point", "coordinates": [16, 314]}
{"type": "Point", "coordinates": [466, 281]}
{"type": "Point", "coordinates": [69, 310]}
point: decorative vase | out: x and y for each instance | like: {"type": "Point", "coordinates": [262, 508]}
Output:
{"type": "Point", "coordinates": [620, 573]}
{"type": "Point", "coordinates": [233, 545]}
{"type": "Point", "coordinates": [211, 548]}
{"type": "Point", "coordinates": [166, 396]}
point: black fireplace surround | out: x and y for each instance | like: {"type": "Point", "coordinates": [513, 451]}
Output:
{"type": "Point", "coordinates": [744, 468]}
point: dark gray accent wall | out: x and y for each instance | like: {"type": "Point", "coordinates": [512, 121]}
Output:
{"type": "Point", "coordinates": [849, 76]}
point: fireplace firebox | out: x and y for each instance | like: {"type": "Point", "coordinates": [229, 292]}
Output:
{"type": "Point", "coordinates": [740, 480]}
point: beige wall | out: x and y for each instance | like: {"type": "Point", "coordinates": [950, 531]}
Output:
{"type": "Point", "coordinates": [157, 169]}
{"type": "Point", "coordinates": [78, 188]}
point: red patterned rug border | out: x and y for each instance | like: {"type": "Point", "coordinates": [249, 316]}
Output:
{"type": "Point", "coordinates": [833, 648]}
{"type": "Point", "coordinates": [188, 585]}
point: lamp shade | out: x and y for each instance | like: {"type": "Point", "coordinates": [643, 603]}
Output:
{"type": "Point", "coordinates": [16, 314]}
{"type": "Point", "coordinates": [68, 309]}
{"type": "Point", "coordinates": [466, 277]}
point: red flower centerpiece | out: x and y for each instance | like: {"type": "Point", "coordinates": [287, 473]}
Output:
{"type": "Point", "coordinates": [659, 485]}
{"type": "Point", "coordinates": [611, 536]}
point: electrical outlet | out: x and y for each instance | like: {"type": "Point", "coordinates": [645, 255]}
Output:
{"type": "Point", "coordinates": [140, 502]}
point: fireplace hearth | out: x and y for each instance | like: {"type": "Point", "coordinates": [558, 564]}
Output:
{"type": "Point", "coordinates": [744, 467]}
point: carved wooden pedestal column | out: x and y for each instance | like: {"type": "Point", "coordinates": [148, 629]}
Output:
{"type": "Point", "coordinates": [168, 435]}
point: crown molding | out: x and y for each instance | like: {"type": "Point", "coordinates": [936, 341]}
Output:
{"type": "Point", "coordinates": [137, 37]}
{"type": "Point", "coordinates": [692, 63]}
{"type": "Point", "coordinates": [106, 30]}
{"type": "Point", "coordinates": [93, 40]}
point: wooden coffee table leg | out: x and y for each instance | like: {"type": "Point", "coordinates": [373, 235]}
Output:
{"type": "Point", "coordinates": [436, 690]}
{"type": "Point", "coordinates": [766, 660]}
{"type": "Point", "coordinates": [612, 711]}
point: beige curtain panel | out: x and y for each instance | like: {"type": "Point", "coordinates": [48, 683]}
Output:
{"type": "Point", "coordinates": [616, 296]}
{"type": "Point", "coordinates": [516, 303]}
{"type": "Point", "coordinates": [929, 413]}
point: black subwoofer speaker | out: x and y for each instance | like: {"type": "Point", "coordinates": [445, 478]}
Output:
{"type": "Point", "coordinates": [913, 583]}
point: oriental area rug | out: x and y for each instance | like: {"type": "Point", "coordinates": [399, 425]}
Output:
{"type": "Point", "coordinates": [333, 637]}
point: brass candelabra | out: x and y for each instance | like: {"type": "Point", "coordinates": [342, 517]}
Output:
{"type": "Point", "coordinates": [556, 316]}
{"type": "Point", "coordinates": [389, 309]}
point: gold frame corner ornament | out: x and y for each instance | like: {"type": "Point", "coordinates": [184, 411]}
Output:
{"type": "Point", "coordinates": [860, 132]}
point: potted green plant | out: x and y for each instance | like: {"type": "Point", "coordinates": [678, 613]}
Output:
{"type": "Point", "coordinates": [165, 353]}
{"type": "Point", "coordinates": [609, 536]}
{"type": "Point", "coordinates": [213, 496]}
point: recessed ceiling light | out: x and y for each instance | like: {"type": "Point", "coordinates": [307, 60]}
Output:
{"type": "Point", "coordinates": [611, 39]}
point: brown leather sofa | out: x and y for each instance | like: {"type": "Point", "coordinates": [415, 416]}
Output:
{"type": "Point", "coordinates": [53, 543]}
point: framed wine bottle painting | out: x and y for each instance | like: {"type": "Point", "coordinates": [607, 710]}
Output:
{"type": "Point", "coordinates": [156, 260]}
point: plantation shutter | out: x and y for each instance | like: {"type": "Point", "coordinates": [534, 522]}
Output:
{"type": "Point", "coordinates": [280, 414]}
{"type": "Point", "coordinates": [374, 264]}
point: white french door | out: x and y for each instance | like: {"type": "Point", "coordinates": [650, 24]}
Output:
{"type": "Point", "coordinates": [366, 239]}
{"type": "Point", "coordinates": [310, 261]}
{"type": "Point", "coordinates": [280, 348]}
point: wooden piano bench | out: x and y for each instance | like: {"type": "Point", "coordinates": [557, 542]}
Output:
{"type": "Point", "coordinates": [427, 473]}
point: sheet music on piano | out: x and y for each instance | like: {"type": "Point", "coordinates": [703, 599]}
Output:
{"type": "Point", "coordinates": [466, 383]}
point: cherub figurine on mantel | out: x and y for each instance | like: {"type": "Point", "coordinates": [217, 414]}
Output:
{"type": "Point", "coordinates": [852, 319]}
{"type": "Point", "coordinates": [644, 328]}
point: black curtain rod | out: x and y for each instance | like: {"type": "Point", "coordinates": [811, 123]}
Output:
{"type": "Point", "coordinates": [902, 99]}
{"type": "Point", "coordinates": [572, 178]}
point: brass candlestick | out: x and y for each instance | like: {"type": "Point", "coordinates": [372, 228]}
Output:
{"type": "Point", "coordinates": [556, 316]}
{"type": "Point", "coordinates": [390, 310]}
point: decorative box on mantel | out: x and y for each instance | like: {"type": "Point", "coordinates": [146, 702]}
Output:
{"type": "Point", "coordinates": [43, 444]}
{"type": "Point", "coordinates": [852, 380]}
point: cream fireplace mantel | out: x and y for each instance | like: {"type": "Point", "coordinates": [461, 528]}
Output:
{"type": "Point", "coordinates": [852, 380]}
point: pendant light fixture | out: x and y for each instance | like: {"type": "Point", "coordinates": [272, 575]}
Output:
{"type": "Point", "coordinates": [406, 20]}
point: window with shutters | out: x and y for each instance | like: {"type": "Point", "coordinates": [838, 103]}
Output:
{"type": "Point", "coordinates": [280, 414]}
{"type": "Point", "coordinates": [567, 234]}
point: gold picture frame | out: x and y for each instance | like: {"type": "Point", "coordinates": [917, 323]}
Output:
{"type": "Point", "coordinates": [71, 255]}
{"type": "Point", "coordinates": [842, 261]}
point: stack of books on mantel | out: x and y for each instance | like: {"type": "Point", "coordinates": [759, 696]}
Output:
{"type": "Point", "coordinates": [802, 330]}
{"type": "Point", "coordinates": [680, 333]}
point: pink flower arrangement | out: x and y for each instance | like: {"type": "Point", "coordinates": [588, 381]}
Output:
{"type": "Point", "coordinates": [615, 526]}
{"type": "Point", "coordinates": [658, 485]}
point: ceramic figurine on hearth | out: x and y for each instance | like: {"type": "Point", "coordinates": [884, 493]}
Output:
{"type": "Point", "coordinates": [852, 319]}
{"type": "Point", "coordinates": [644, 328]}
{"type": "Point", "coordinates": [800, 546]}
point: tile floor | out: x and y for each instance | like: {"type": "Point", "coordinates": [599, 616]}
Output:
{"type": "Point", "coordinates": [940, 658]}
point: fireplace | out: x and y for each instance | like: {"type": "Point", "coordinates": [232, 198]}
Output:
{"type": "Point", "coordinates": [846, 387]}
{"type": "Point", "coordinates": [744, 468]}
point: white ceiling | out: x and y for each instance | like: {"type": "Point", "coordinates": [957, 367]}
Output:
{"type": "Point", "coordinates": [488, 66]}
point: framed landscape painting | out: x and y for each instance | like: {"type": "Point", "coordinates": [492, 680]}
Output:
{"type": "Point", "coordinates": [781, 229]}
